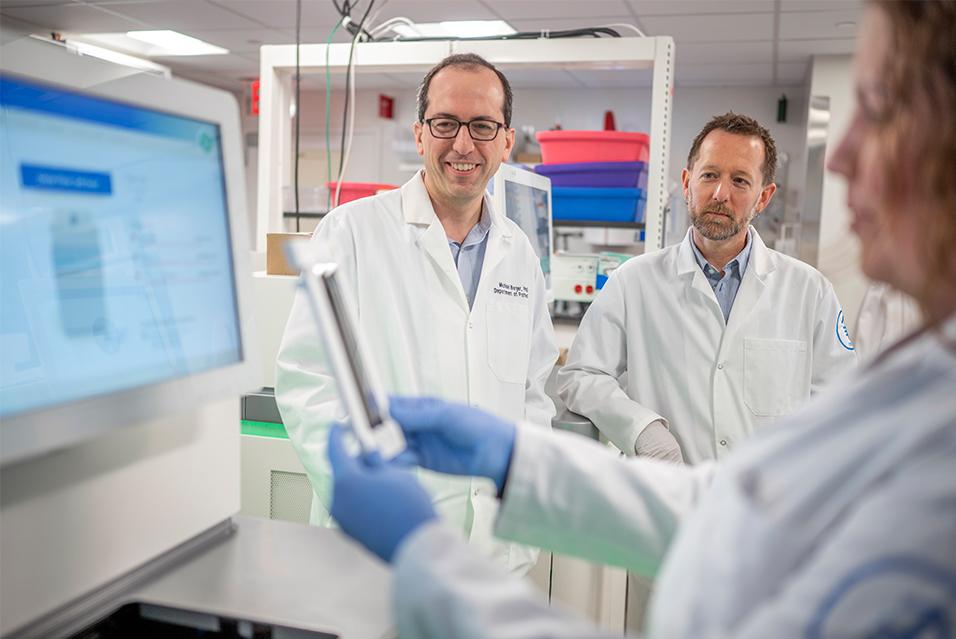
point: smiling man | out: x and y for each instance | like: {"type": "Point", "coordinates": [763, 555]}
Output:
{"type": "Point", "coordinates": [688, 350]}
{"type": "Point", "coordinates": [431, 266]}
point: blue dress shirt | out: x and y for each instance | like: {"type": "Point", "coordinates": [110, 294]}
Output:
{"type": "Point", "coordinates": [725, 286]}
{"type": "Point", "coordinates": [469, 255]}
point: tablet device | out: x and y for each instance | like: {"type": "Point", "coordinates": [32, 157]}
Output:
{"type": "Point", "coordinates": [359, 388]}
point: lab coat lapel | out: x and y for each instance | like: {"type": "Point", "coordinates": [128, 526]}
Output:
{"type": "Point", "coordinates": [697, 286]}
{"type": "Point", "coordinates": [430, 234]}
{"type": "Point", "coordinates": [753, 284]}
{"type": "Point", "coordinates": [500, 237]}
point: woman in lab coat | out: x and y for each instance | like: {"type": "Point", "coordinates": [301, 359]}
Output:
{"type": "Point", "coordinates": [838, 521]}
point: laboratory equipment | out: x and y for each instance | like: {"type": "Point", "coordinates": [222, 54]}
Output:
{"type": "Point", "coordinates": [575, 276]}
{"type": "Point", "coordinates": [525, 198]}
{"type": "Point", "coordinates": [120, 299]}
{"type": "Point", "coordinates": [123, 209]}
{"type": "Point", "coordinates": [356, 379]}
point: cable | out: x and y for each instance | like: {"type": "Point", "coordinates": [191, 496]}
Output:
{"type": "Point", "coordinates": [595, 32]}
{"type": "Point", "coordinates": [328, 110]}
{"type": "Point", "coordinates": [626, 26]}
{"type": "Point", "coordinates": [389, 24]}
{"type": "Point", "coordinates": [349, 114]}
{"type": "Point", "coordinates": [298, 110]}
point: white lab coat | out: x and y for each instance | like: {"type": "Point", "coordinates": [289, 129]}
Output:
{"type": "Point", "coordinates": [713, 382]}
{"type": "Point", "coordinates": [840, 521]}
{"type": "Point", "coordinates": [413, 313]}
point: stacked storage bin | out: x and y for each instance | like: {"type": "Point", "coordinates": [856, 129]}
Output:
{"type": "Point", "coordinates": [596, 175]}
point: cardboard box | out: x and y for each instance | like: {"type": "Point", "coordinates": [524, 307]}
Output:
{"type": "Point", "coordinates": [276, 263]}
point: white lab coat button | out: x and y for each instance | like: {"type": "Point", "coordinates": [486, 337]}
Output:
{"type": "Point", "coordinates": [476, 492]}
{"type": "Point", "coordinates": [723, 442]}
{"type": "Point", "coordinates": [720, 366]}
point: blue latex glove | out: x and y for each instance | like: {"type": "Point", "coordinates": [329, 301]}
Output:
{"type": "Point", "coordinates": [454, 438]}
{"type": "Point", "coordinates": [375, 503]}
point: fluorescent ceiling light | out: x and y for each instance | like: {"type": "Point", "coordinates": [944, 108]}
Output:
{"type": "Point", "coordinates": [84, 48]}
{"type": "Point", "coordinates": [455, 29]}
{"type": "Point", "coordinates": [173, 43]}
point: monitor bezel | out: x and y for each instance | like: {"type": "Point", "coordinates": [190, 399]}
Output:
{"type": "Point", "coordinates": [43, 431]}
{"type": "Point", "coordinates": [519, 175]}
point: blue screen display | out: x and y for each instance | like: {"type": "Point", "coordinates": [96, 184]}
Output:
{"type": "Point", "coordinates": [115, 252]}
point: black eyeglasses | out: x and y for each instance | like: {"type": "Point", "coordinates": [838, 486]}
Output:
{"type": "Point", "coordinates": [479, 129]}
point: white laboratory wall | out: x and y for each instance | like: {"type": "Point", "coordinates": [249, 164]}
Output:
{"type": "Point", "coordinates": [838, 249]}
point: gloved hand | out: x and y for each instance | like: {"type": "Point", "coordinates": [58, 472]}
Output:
{"type": "Point", "coordinates": [454, 438]}
{"type": "Point", "coordinates": [658, 442]}
{"type": "Point", "coordinates": [375, 503]}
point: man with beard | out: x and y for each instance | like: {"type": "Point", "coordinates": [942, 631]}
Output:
{"type": "Point", "coordinates": [688, 350]}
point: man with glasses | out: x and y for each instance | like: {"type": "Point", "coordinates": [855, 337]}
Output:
{"type": "Point", "coordinates": [448, 293]}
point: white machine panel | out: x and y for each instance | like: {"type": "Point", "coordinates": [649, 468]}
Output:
{"type": "Point", "coordinates": [574, 276]}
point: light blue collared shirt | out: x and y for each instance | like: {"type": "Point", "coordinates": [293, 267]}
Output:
{"type": "Point", "coordinates": [469, 255]}
{"type": "Point", "coordinates": [726, 287]}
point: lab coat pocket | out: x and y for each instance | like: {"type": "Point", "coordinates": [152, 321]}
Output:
{"type": "Point", "coordinates": [508, 340]}
{"type": "Point", "coordinates": [774, 375]}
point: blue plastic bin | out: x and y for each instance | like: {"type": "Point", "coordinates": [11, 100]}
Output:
{"type": "Point", "coordinates": [596, 174]}
{"type": "Point", "coordinates": [598, 204]}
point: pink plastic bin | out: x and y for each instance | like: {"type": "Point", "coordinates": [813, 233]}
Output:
{"type": "Point", "coordinates": [563, 147]}
{"type": "Point", "coordinates": [355, 190]}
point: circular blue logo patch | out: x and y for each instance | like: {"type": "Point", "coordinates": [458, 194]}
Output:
{"type": "Point", "coordinates": [843, 333]}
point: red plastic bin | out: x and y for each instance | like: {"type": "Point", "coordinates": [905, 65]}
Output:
{"type": "Point", "coordinates": [566, 147]}
{"type": "Point", "coordinates": [356, 190]}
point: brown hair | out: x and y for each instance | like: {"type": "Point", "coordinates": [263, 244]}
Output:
{"type": "Point", "coordinates": [472, 62]}
{"type": "Point", "coordinates": [739, 125]}
{"type": "Point", "coordinates": [920, 82]}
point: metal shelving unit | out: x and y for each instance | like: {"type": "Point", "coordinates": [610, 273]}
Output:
{"type": "Point", "coordinates": [277, 66]}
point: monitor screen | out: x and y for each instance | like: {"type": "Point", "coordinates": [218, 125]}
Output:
{"type": "Point", "coordinates": [115, 251]}
{"type": "Point", "coordinates": [528, 207]}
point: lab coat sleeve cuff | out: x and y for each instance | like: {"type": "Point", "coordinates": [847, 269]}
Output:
{"type": "Point", "coordinates": [570, 494]}
{"type": "Point", "coordinates": [444, 588]}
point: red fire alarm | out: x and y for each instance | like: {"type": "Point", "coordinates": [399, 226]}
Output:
{"type": "Point", "coordinates": [254, 101]}
{"type": "Point", "coordinates": [386, 107]}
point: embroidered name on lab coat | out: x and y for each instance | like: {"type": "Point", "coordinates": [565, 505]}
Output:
{"type": "Point", "coordinates": [511, 290]}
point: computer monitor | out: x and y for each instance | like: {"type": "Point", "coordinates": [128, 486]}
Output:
{"type": "Point", "coordinates": [122, 224]}
{"type": "Point", "coordinates": [525, 197]}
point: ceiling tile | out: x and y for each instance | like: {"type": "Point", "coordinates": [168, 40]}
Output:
{"type": "Point", "coordinates": [789, 73]}
{"type": "Point", "coordinates": [281, 13]}
{"type": "Point", "coordinates": [530, 9]}
{"type": "Point", "coordinates": [790, 50]}
{"type": "Point", "coordinates": [713, 28]}
{"type": "Point", "coordinates": [643, 8]}
{"type": "Point", "coordinates": [434, 10]}
{"type": "Point", "coordinates": [725, 74]}
{"type": "Point", "coordinates": [820, 5]}
{"type": "Point", "coordinates": [231, 63]}
{"type": "Point", "coordinates": [9, 4]}
{"type": "Point", "coordinates": [817, 24]}
{"type": "Point", "coordinates": [240, 40]}
{"type": "Point", "coordinates": [181, 15]}
{"type": "Point", "coordinates": [74, 17]}
{"type": "Point", "coordinates": [725, 52]}
{"type": "Point", "coordinates": [221, 80]}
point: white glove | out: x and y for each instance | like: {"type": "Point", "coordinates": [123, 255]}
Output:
{"type": "Point", "coordinates": [657, 441]}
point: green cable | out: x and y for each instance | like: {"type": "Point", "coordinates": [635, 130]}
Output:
{"type": "Point", "coordinates": [328, 109]}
